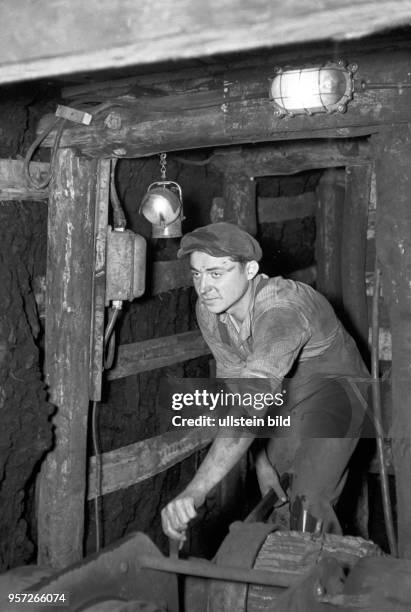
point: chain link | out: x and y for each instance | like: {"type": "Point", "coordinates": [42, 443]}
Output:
{"type": "Point", "coordinates": [163, 165]}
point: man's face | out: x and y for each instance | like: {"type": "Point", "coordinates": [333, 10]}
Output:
{"type": "Point", "coordinates": [220, 282]}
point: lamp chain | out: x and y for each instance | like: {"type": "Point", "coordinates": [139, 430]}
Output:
{"type": "Point", "coordinates": [163, 165]}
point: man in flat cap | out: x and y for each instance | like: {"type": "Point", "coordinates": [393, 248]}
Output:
{"type": "Point", "coordinates": [260, 330]}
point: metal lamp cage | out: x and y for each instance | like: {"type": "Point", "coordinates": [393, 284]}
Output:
{"type": "Point", "coordinates": [318, 89]}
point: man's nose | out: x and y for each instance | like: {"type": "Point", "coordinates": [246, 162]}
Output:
{"type": "Point", "coordinates": [204, 284]}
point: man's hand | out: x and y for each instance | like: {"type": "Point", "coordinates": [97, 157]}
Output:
{"type": "Point", "coordinates": [222, 456]}
{"type": "Point", "coordinates": [267, 476]}
{"type": "Point", "coordinates": [177, 514]}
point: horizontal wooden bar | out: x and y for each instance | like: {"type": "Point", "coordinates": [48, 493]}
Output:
{"type": "Point", "coordinates": [157, 353]}
{"type": "Point", "coordinates": [144, 123]}
{"type": "Point", "coordinates": [129, 465]}
{"type": "Point", "coordinates": [278, 210]}
{"type": "Point", "coordinates": [13, 181]}
{"type": "Point", "coordinates": [288, 157]}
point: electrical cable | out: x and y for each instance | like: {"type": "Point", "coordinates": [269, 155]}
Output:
{"type": "Point", "coordinates": [109, 340]}
{"type": "Point", "coordinates": [59, 124]}
{"type": "Point", "coordinates": [97, 455]}
{"type": "Point", "coordinates": [376, 404]}
{"type": "Point", "coordinates": [119, 218]}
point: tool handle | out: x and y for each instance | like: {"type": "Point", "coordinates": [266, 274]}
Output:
{"type": "Point", "coordinates": [173, 548]}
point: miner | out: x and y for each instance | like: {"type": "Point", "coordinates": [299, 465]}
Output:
{"type": "Point", "coordinates": [279, 335]}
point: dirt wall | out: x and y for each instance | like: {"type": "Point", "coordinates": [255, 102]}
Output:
{"type": "Point", "coordinates": [25, 432]}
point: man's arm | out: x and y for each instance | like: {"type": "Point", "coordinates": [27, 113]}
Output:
{"type": "Point", "coordinates": [223, 455]}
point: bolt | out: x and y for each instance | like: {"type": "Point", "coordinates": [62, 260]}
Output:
{"type": "Point", "coordinates": [113, 121]}
{"type": "Point", "coordinates": [120, 152]}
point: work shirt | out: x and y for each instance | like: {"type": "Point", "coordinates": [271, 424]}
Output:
{"type": "Point", "coordinates": [290, 329]}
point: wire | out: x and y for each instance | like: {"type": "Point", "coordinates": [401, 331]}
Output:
{"type": "Point", "coordinates": [109, 339]}
{"type": "Point", "coordinates": [59, 124]}
{"type": "Point", "coordinates": [376, 403]}
{"type": "Point", "coordinates": [98, 490]}
{"type": "Point", "coordinates": [119, 218]}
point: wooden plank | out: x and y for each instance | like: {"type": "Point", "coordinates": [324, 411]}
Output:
{"type": "Point", "coordinates": [278, 210]}
{"type": "Point", "coordinates": [168, 275]}
{"type": "Point", "coordinates": [353, 253]}
{"type": "Point", "coordinates": [62, 483]}
{"type": "Point", "coordinates": [393, 232]}
{"type": "Point", "coordinates": [13, 182]}
{"type": "Point", "coordinates": [157, 353]}
{"type": "Point", "coordinates": [238, 203]}
{"type": "Point", "coordinates": [137, 462]}
{"type": "Point", "coordinates": [329, 220]}
{"type": "Point", "coordinates": [286, 158]}
{"type": "Point", "coordinates": [239, 196]}
{"type": "Point", "coordinates": [105, 34]}
{"type": "Point", "coordinates": [138, 126]}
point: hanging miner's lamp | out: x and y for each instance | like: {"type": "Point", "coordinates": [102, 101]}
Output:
{"type": "Point", "coordinates": [163, 205]}
{"type": "Point", "coordinates": [319, 89]}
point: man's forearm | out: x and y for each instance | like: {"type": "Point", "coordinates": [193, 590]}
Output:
{"type": "Point", "coordinates": [224, 453]}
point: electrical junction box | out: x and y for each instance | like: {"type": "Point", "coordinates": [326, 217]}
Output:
{"type": "Point", "coordinates": [125, 265]}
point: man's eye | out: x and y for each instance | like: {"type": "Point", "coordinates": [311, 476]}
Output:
{"type": "Point", "coordinates": [216, 274]}
{"type": "Point", "coordinates": [195, 274]}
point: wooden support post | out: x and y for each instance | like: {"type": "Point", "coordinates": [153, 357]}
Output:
{"type": "Point", "coordinates": [329, 218]}
{"type": "Point", "coordinates": [353, 253]}
{"type": "Point", "coordinates": [62, 485]}
{"type": "Point", "coordinates": [393, 244]}
{"type": "Point", "coordinates": [238, 204]}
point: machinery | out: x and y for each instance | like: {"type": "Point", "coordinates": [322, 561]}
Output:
{"type": "Point", "coordinates": [257, 568]}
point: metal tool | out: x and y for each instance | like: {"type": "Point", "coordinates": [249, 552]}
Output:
{"type": "Point", "coordinates": [205, 569]}
{"type": "Point", "coordinates": [267, 503]}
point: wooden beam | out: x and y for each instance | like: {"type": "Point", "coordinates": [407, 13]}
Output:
{"type": "Point", "coordinates": [238, 203]}
{"type": "Point", "coordinates": [137, 462]}
{"type": "Point", "coordinates": [13, 182]}
{"type": "Point", "coordinates": [103, 34]}
{"type": "Point", "coordinates": [393, 243]}
{"type": "Point", "coordinates": [329, 221]}
{"type": "Point", "coordinates": [353, 253]}
{"type": "Point", "coordinates": [62, 483]}
{"type": "Point", "coordinates": [157, 353]}
{"type": "Point", "coordinates": [286, 158]}
{"type": "Point", "coordinates": [278, 210]}
{"type": "Point", "coordinates": [139, 125]}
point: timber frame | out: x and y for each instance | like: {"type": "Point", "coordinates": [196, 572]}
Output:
{"type": "Point", "coordinates": [220, 107]}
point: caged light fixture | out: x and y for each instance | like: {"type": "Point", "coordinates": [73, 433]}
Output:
{"type": "Point", "coordinates": [163, 205]}
{"type": "Point", "coordinates": [318, 89]}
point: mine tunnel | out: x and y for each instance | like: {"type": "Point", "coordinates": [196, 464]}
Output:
{"type": "Point", "coordinates": [115, 157]}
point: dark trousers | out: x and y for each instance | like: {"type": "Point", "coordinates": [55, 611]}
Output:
{"type": "Point", "coordinates": [315, 451]}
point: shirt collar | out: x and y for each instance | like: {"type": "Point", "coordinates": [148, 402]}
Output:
{"type": "Point", "coordinates": [245, 327]}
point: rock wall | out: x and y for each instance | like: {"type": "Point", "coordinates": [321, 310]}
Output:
{"type": "Point", "coordinates": [25, 433]}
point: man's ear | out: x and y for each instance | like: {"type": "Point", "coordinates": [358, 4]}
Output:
{"type": "Point", "coordinates": [252, 269]}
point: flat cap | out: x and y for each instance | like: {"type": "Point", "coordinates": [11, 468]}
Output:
{"type": "Point", "coordinates": [221, 239]}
